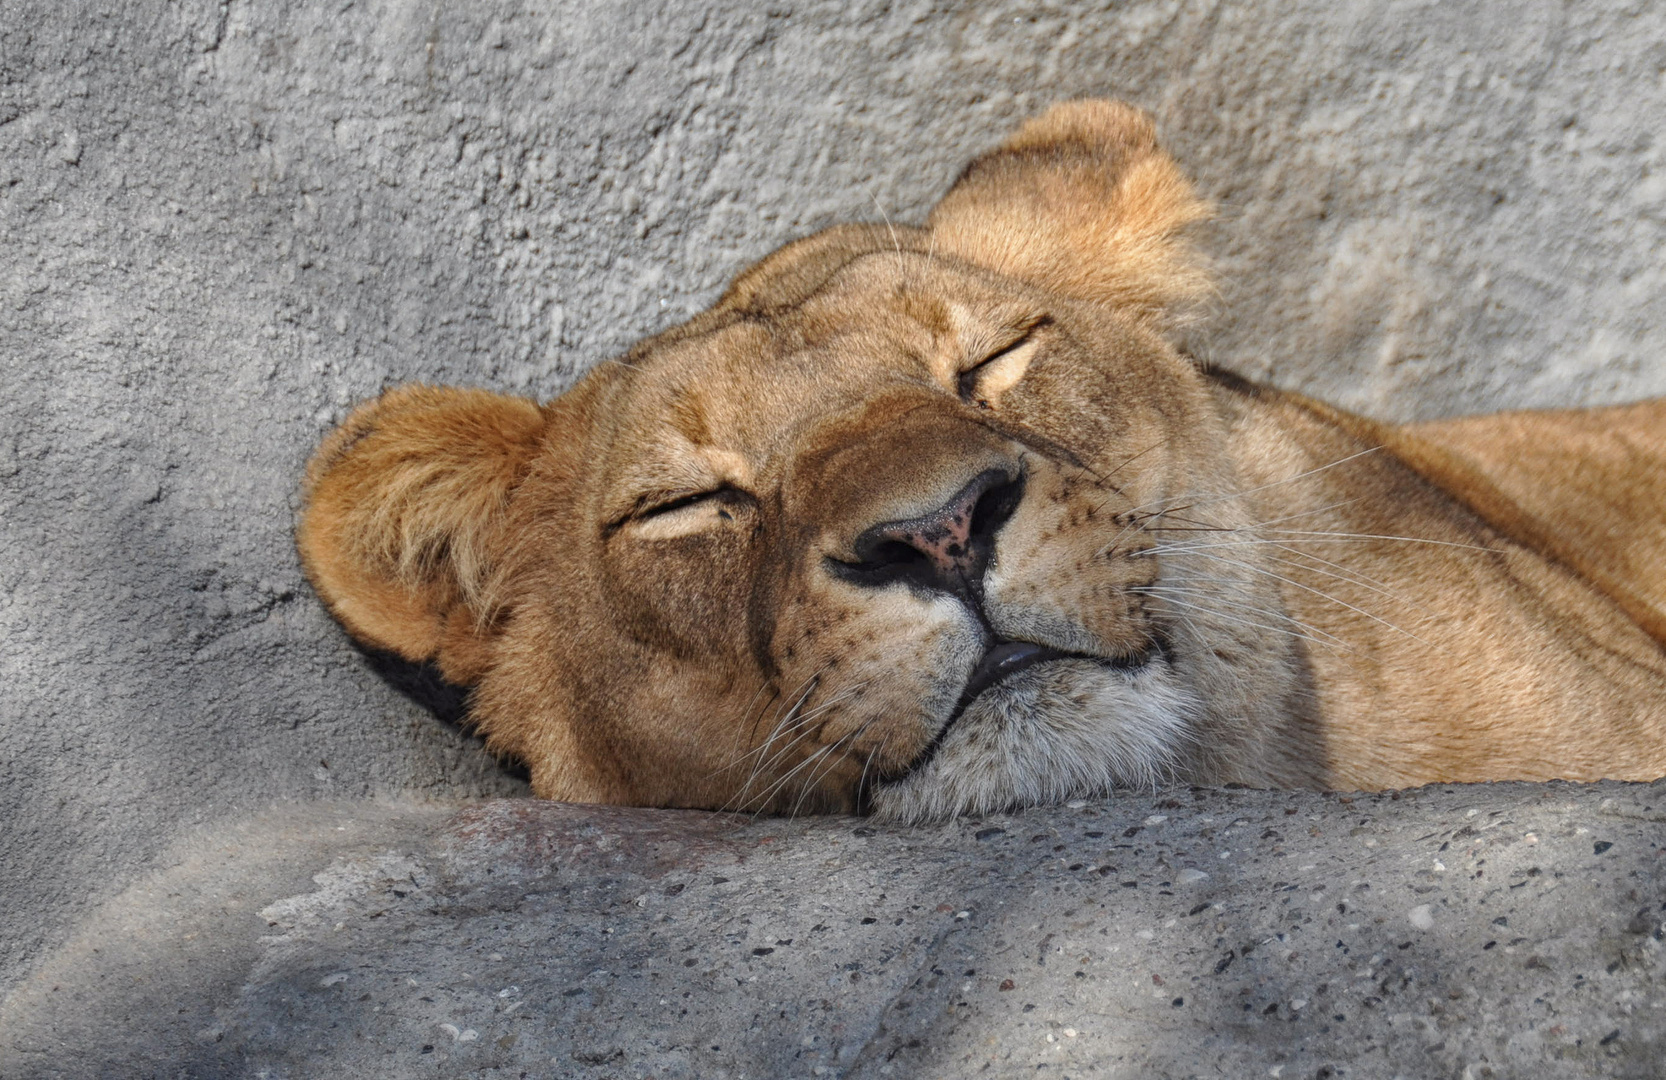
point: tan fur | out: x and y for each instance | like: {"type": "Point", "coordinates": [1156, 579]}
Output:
{"type": "Point", "coordinates": [1513, 468]}
{"type": "Point", "coordinates": [1082, 202]}
{"type": "Point", "coordinates": [403, 505]}
{"type": "Point", "coordinates": [663, 589]}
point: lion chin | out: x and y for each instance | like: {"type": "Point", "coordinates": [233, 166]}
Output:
{"type": "Point", "coordinates": [1065, 730]}
{"type": "Point", "coordinates": [938, 519]}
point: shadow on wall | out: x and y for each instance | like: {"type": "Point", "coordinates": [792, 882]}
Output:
{"type": "Point", "coordinates": [423, 685]}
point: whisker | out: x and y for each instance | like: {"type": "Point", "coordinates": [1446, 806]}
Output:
{"type": "Point", "coordinates": [1195, 525]}
{"type": "Point", "coordinates": [803, 724]}
{"type": "Point", "coordinates": [862, 777]}
{"type": "Point", "coordinates": [791, 704]}
{"type": "Point", "coordinates": [1293, 583]}
{"type": "Point", "coordinates": [1225, 603]}
{"type": "Point", "coordinates": [1105, 481]}
{"type": "Point", "coordinates": [808, 762]}
{"type": "Point", "coordinates": [1287, 480]}
{"type": "Point", "coordinates": [765, 799]}
{"type": "Point", "coordinates": [878, 751]}
{"type": "Point", "coordinates": [743, 734]}
{"type": "Point", "coordinates": [895, 243]}
{"type": "Point", "coordinates": [1344, 573]}
{"type": "Point", "coordinates": [1337, 505]}
{"type": "Point", "coordinates": [1127, 461]}
{"type": "Point", "coordinates": [1236, 605]}
{"type": "Point", "coordinates": [752, 732]}
{"type": "Point", "coordinates": [1293, 537]}
{"type": "Point", "coordinates": [809, 784]}
{"type": "Point", "coordinates": [814, 780]}
{"type": "Point", "coordinates": [1255, 625]}
{"type": "Point", "coordinates": [1211, 500]}
{"type": "Point", "coordinates": [785, 718]}
{"type": "Point", "coordinates": [1385, 536]}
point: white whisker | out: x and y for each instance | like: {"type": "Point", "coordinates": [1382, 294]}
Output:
{"type": "Point", "coordinates": [803, 724]}
{"type": "Point", "coordinates": [1213, 499]}
{"type": "Point", "coordinates": [1343, 573]}
{"type": "Point", "coordinates": [1384, 536]}
{"type": "Point", "coordinates": [776, 730]}
{"type": "Point", "coordinates": [814, 779]}
{"type": "Point", "coordinates": [1293, 583]}
{"type": "Point", "coordinates": [1301, 630]}
{"type": "Point", "coordinates": [895, 243]}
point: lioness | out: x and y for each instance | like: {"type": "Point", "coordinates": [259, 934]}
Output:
{"type": "Point", "coordinates": [936, 520]}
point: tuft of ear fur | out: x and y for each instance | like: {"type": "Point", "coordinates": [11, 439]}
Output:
{"type": "Point", "coordinates": [1081, 201]}
{"type": "Point", "coordinates": [403, 504]}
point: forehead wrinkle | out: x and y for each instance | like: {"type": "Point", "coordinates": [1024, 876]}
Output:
{"type": "Point", "coordinates": [688, 417]}
{"type": "Point", "coordinates": [699, 416]}
{"type": "Point", "coordinates": [766, 411]}
{"type": "Point", "coordinates": [932, 312]}
{"type": "Point", "coordinates": [713, 449]}
{"type": "Point", "coordinates": [683, 384]}
{"type": "Point", "coordinates": [732, 401]}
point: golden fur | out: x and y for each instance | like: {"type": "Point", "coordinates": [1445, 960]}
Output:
{"type": "Point", "coordinates": [932, 520]}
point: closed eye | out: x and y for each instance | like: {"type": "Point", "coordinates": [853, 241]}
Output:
{"type": "Point", "coordinates": [983, 383]}
{"type": "Point", "coordinates": [684, 514]}
{"type": "Point", "coordinates": [676, 502]}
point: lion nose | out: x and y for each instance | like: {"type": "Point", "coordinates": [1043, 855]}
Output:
{"type": "Point", "coordinates": [947, 550]}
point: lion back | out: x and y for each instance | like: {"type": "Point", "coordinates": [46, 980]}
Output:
{"type": "Point", "coordinates": [1585, 486]}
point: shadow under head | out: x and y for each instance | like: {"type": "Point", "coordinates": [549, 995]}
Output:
{"type": "Point", "coordinates": [936, 519]}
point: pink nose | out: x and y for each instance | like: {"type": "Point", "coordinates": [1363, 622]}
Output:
{"type": "Point", "coordinates": [947, 550]}
{"type": "Point", "coordinates": [943, 537]}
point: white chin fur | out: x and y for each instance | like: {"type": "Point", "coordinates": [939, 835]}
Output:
{"type": "Point", "coordinates": [1064, 730]}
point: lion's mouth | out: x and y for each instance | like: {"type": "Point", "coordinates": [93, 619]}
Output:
{"type": "Point", "coordinates": [1003, 661]}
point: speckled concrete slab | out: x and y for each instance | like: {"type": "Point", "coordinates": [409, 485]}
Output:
{"type": "Point", "coordinates": [1506, 930]}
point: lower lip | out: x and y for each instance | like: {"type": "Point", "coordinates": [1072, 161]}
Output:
{"type": "Point", "coordinates": [1002, 663]}
{"type": "Point", "coordinates": [1010, 657]}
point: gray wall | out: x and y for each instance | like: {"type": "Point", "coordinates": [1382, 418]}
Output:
{"type": "Point", "coordinates": [224, 223]}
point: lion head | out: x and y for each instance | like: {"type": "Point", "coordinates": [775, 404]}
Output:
{"type": "Point", "coordinates": [867, 534]}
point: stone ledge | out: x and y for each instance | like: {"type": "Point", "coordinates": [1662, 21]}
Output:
{"type": "Point", "coordinates": [1498, 930]}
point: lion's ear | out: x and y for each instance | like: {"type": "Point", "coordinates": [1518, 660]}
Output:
{"type": "Point", "coordinates": [404, 502]}
{"type": "Point", "coordinates": [1081, 201]}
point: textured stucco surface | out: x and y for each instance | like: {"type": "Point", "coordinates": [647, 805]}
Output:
{"type": "Point", "coordinates": [221, 223]}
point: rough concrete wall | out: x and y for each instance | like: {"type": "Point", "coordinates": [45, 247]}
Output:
{"type": "Point", "coordinates": [224, 222]}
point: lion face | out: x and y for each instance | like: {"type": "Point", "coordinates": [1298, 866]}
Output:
{"type": "Point", "coordinates": [869, 534]}
{"type": "Point", "coordinates": [889, 514]}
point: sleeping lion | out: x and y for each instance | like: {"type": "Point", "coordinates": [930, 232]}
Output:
{"type": "Point", "coordinates": [937, 520]}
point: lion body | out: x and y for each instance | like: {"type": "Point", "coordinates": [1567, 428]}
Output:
{"type": "Point", "coordinates": [1476, 651]}
{"type": "Point", "coordinates": [934, 520]}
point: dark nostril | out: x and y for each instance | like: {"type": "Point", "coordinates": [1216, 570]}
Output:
{"type": "Point", "coordinates": [995, 507]}
{"type": "Point", "coordinates": [877, 551]}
